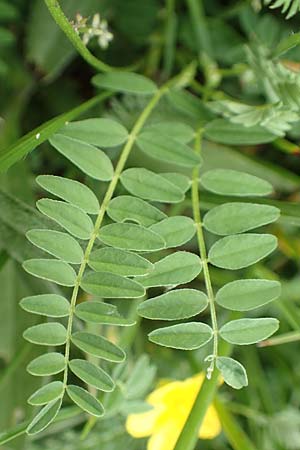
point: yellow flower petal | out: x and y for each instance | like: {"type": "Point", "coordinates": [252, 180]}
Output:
{"type": "Point", "coordinates": [166, 437]}
{"type": "Point", "coordinates": [211, 425]}
{"type": "Point", "coordinates": [142, 424]}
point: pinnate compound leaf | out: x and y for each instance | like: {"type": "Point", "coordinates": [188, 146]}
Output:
{"type": "Point", "coordinates": [61, 245]}
{"type": "Point", "coordinates": [232, 371]}
{"type": "Point", "coordinates": [92, 375]}
{"type": "Point", "coordinates": [51, 333]}
{"type": "Point", "coordinates": [248, 331]}
{"type": "Point", "coordinates": [176, 230]}
{"type": "Point", "coordinates": [98, 346]}
{"type": "Point", "coordinates": [99, 132]}
{"type": "Point", "coordinates": [181, 181]}
{"type": "Point", "coordinates": [174, 269]}
{"type": "Point", "coordinates": [174, 305]}
{"type": "Point", "coordinates": [43, 419]}
{"type": "Point", "coordinates": [238, 251]}
{"type": "Point", "coordinates": [110, 285]}
{"type": "Point", "coordinates": [234, 182]}
{"type": "Point", "coordinates": [150, 186]}
{"type": "Point", "coordinates": [70, 190]}
{"type": "Point", "coordinates": [233, 218]}
{"type": "Point", "coordinates": [48, 364]}
{"type": "Point", "coordinates": [244, 295]}
{"type": "Point", "coordinates": [85, 400]}
{"type": "Point", "coordinates": [132, 83]}
{"type": "Point", "coordinates": [73, 219]}
{"type": "Point", "coordinates": [51, 305]}
{"type": "Point", "coordinates": [120, 262]}
{"type": "Point", "coordinates": [47, 393]}
{"type": "Point", "coordinates": [129, 236]}
{"type": "Point", "coordinates": [166, 149]}
{"type": "Point", "coordinates": [91, 160]}
{"type": "Point", "coordinates": [99, 312]}
{"type": "Point", "coordinates": [179, 131]}
{"type": "Point", "coordinates": [128, 208]}
{"type": "Point", "coordinates": [184, 336]}
{"type": "Point", "coordinates": [52, 270]}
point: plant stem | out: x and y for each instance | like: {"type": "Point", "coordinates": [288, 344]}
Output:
{"type": "Point", "coordinates": [199, 24]}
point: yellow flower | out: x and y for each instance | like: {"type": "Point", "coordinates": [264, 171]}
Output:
{"type": "Point", "coordinates": [171, 404]}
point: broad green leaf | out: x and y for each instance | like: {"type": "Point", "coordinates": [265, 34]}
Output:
{"type": "Point", "coordinates": [233, 182]}
{"type": "Point", "coordinates": [52, 270]}
{"type": "Point", "coordinates": [182, 182]}
{"type": "Point", "coordinates": [166, 149]}
{"type": "Point", "coordinates": [130, 236]}
{"type": "Point", "coordinates": [241, 250]}
{"type": "Point", "coordinates": [121, 262]}
{"type": "Point", "coordinates": [233, 218]}
{"type": "Point", "coordinates": [48, 364]}
{"type": "Point", "coordinates": [98, 346]}
{"type": "Point", "coordinates": [188, 104]}
{"type": "Point", "coordinates": [133, 83]}
{"type": "Point", "coordinates": [111, 285]}
{"type": "Point", "coordinates": [51, 305]}
{"type": "Point", "coordinates": [47, 393]}
{"type": "Point", "coordinates": [44, 417]}
{"type": "Point", "coordinates": [70, 190]}
{"type": "Point", "coordinates": [51, 333]}
{"type": "Point", "coordinates": [176, 230]}
{"type": "Point", "coordinates": [225, 132]}
{"type": "Point", "coordinates": [174, 269]}
{"type": "Point", "coordinates": [127, 208]}
{"type": "Point", "coordinates": [99, 132]}
{"type": "Point", "coordinates": [248, 331]}
{"type": "Point", "coordinates": [150, 186]}
{"type": "Point", "coordinates": [99, 312]}
{"type": "Point", "coordinates": [179, 131]}
{"type": "Point", "coordinates": [58, 244]}
{"type": "Point", "coordinates": [73, 219]}
{"type": "Point", "coordinates": [92, 375]}
{"type": "Point", "coordinates": [85, 400]}
{"type": "Point", "coordinates": [232, 371]}
{"type": "Point", "coordinates": [91, 160]}
{"type": "Point", "coordinates": [244, 295]}
{"type": "Point", "coordinates": [184, 336]}
{"type": "Point", "coordinates": [174, 305]}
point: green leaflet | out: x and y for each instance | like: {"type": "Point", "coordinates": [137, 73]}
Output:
{"type": "Point", "coordinates": [98, 346]}
{"type": "Point", "coordinates": [72, 191]}
{"type": "Point", "coordinates": [133, 83]}
{"type": "Point", "coordinates": [91, 160]}
{"type": "Point", "coordinates": [128, 208]}
{"type": "Point", "coordinates": [232, 218]}
{"type": "Point", "coordinates": [165, 148]}
{"type": "Point", "coordinates": [244, 295]}
{"type": "Point", "coordinates": [85, 400]}
{"type": "Point", "coordinates": [248, 331]}
{"type": "Point", "coordinates": [51, 305]}
{"type": "Point", "coordinates": [176, 230]}
{"type": "Point", "coordinates": [47, 393]}
{"type": "Point", "coordinates": [113, 260]}
{"type": "Point", "coordinates": [51, 333]}
{"type": "Point", "coordinates": [174, 305]}
{"type": "Point", "coordinates": [188, 104]}
{"type": "Point", "coordinates": [225, 132]}
{"type": "Point", "coordinates": [99, 312]}
{"type": "Point", "coordinates": [48, 364]}
{"type": "Point", "coordinates": [52, 270]}
{"type": "Point", "coordinates": [232, 371]}
{"type": "Point", "coordinates": [110, 285]}
{"type": "Point", "coordinates": [179, 131]}
{"type": "Point", "coordinates": [150, 186]}
{"type": "Point", "coordinates": [130, 236]}
{"type": "Point", "coordinates": [92, 375]}
{"type": "Point", "coordinates": [233, 182]}
{"type": "Point", "coordinates": [73, 219]}
{"type": "Point", "coordinates": [44, 417]}
{"type": "Point", "coordinates": [99, 132]}
{"type": "Point", "coordinates": [174, 269]}
{"type": "Point", "coordinates": [238, 251]}
{"type": "Point", "coordinates": [182, 182]}
{"type": "Point", "coordinates": [184, 336]}
{"type": "Point", "coordinates": [58, 244]}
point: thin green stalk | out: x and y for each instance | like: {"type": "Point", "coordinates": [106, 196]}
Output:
{"type": "Point", "coordinates": [198, 20]}
{"type": "Point", "coordinates": [169, 38]}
